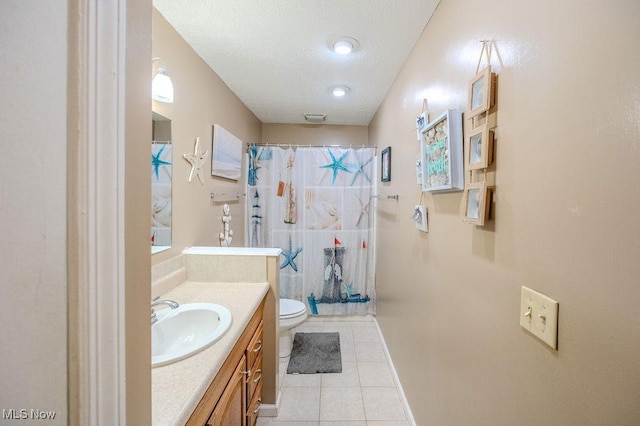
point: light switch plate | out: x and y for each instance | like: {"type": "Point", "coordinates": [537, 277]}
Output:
{"type": "Point", "coordinates": [539, 316]}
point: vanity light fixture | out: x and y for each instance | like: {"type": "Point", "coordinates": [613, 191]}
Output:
{"type": "Point", "coordinates": [162, 86]}
{"type": "Point", "coordinates": [339, 91]}
{"type": "Point", "coordinates": [345, 45]}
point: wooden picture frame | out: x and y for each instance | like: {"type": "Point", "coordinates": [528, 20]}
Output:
{"type": "Point", "coordinates": [476, 202]}
{"type": "Point", "coordinates": [385, 165]}
{"type": "Point", "coordinates": [441, 153]}
{"type": "Point", "coordinates": [481, 92]}
{"type": "Point", "coordinates": [478, 149]}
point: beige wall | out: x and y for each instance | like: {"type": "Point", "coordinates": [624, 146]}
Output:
{"type": "Point", "coordinates": [33, 289]}
{"type": "Point", "coordinates": [201, 100]}
{"type": "Point", "coordinates": [315, 134]}
{"type": "Point", "coordinates": [565, 220]}
{"type": "Point", "coordinates": [137, 260]}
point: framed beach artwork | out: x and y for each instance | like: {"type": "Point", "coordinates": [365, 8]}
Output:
{"type": "Point", "coordinates": [385, 175]}
{"type": "Point", "coordinates": [481, 92]}
{"type": "Point", "coordinates": [226, 161]}
{"type": "Point", "coordinates": [441, 154]}
{"type": "Point", "coordinates": [479, 148]}
{"type": "Point", "coordinates": [476, 202]}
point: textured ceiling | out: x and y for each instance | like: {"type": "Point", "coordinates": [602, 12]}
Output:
{"type": "Point", "coordinates": [276, 55]}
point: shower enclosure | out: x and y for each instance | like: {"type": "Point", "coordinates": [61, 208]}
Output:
{"type": "Point", "coordinates": [317, 205]}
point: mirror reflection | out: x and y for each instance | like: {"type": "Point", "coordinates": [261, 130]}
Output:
{"type": "Point", "coordinates": [161, 164]}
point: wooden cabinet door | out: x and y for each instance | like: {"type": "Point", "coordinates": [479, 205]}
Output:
{"type": "Point", "coordinates": [232, 406]}
{"type": "Point", "coordinates": [254, 350]}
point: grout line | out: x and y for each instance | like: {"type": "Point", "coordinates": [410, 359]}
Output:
{"type": "Point", "coordinates": [396, 379]}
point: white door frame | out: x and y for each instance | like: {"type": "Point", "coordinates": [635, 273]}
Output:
{"type": "Point", "coordinates": [96, 212]}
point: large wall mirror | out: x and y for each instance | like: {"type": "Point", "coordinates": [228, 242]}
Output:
{"type": "Point", "coordinates": [161, 163]}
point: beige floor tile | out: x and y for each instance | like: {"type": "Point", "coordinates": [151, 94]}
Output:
{"type": "Point", "coordinates": [271, 421]}
{"type": "Point", "coordinates": [301, 380]}
{"type": "Point", "coordinates": [341, 404]}
{"type": "Point", "coordinates": [382, 403]}
{"type": "Point", "coordinates": [366, 332]}
{"type": "Point", "coordinates": [375, 374]}
{"type": "Point", "coordinates": [364, 390]}
{"type": "Point", "coordinates": [299, 404]}
{"type": "Point", "coordinates": [347, 352]}
{"type": "Point", "coordinates": [369, 352]}
{"type": "Point", "coordinates": [348, 378]}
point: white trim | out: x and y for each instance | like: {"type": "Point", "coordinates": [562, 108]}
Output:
{"type": "Point", "coordinates": [100, 210]}
{"type": "Point", "coordinates": [270, 410]}
{"type": "Point", "coordinates": [396, 379]}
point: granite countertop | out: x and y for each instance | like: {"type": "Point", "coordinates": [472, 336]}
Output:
{"type": "Point", "coordinates": [177, 388]}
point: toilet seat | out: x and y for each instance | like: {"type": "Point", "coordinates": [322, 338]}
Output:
{"type": "Point", "coordinates": [290, 308]}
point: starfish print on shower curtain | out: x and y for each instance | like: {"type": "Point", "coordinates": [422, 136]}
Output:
{"type": "Point", "coordinates": [336, 165]}
{"type": "Point", "coordinates": [359, 170]}
{"type": "Point", "coordinates": [290, 256]}
{"type": "Point", "coordinates": [156, 162]}
{"type": "Point", "coordinates": [364, 210]}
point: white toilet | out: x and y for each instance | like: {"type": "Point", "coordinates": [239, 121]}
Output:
{"type": "Point", "coordinates": [292, 314]}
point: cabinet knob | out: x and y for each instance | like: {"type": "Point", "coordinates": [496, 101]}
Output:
{"type": "Point", "coordinates": [257, 379]}
{"type": "Point", "coordinates": [259, 343]}
{"type": "Point", "coordinates": [257, 409]}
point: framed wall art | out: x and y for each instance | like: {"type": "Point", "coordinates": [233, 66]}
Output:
{"type": "Point", "coordinates": [476, 202]}
{"type": "Point", "coordinates": [441, 153]}
{"type": "Point", "coordinates": [479, 148]}
{"type": "Point", "coordinates": [481, 92]}
{"type": "Point", "coordinates": [226, 160]}
{"type": "Point", "coordinates": [385, 165]}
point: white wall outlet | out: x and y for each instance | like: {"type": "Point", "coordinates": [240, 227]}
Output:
{"type": "Point", "coordinates": [539, 316]}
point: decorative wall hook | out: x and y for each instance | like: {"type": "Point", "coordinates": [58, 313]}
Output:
{"type": "Point", "coordinates": [227, 235]}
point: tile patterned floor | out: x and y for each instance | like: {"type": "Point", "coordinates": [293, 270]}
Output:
{"type": "Point", "coordinates": [364, 394]}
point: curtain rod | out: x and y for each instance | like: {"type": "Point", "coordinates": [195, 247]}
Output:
{"type": "Point", "coordinates": [298, 145]}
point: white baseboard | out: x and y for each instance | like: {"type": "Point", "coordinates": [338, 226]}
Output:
{"type": "Point", "coordinates": [270, 410]}
{"type": "Point", "coordinates": [396, 379]}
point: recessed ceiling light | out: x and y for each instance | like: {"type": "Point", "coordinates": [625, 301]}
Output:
{"type": "Point", "coordinates": [339, 91]}
{"type": "Point", "coordinates": [344, 45]}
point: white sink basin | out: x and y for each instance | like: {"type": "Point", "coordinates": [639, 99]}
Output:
{"type": "Point", "coordinates": [182, 332]}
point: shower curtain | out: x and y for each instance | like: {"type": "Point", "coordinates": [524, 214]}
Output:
{"type": "Point", "coordinates": [317, 205]}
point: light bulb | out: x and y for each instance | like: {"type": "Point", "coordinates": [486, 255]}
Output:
{"type": "Point", "coordinates": [339, 91]}
{"type": "Point", "coordinates": [343, 47]}
{"type": "Point", "coordinates": [162, 87]}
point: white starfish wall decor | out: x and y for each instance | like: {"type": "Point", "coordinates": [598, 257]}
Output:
{"type": "Point", "coordinates": [197, 162]}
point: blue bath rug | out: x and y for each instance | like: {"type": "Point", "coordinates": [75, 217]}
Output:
{"type": "Point", "coordinates": [315, 353]}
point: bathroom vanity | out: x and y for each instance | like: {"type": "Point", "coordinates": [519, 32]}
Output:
{"type": "Point", "coordinates": [235, 379]}
{"type": "Point", "coordinates": [234, 395]}
{"type": "Point", "coordinates": [188, 391]}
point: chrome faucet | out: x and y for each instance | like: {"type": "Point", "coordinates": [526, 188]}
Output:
{"type": "Point", "coordinates": [156, 302]}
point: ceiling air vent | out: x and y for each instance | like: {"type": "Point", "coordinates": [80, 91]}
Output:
{"type": "Point", "coordinates": [315, 118]}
